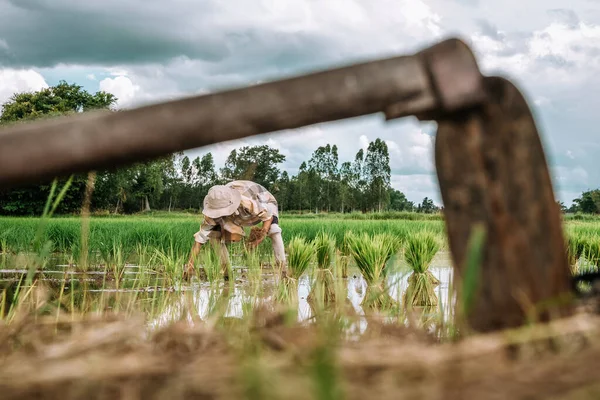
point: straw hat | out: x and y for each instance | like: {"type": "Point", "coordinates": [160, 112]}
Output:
{"type": "Point", "coordinates": [220, 201]}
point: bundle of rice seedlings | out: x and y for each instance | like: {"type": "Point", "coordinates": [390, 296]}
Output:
{"type": "Point", "coordinates": [420, 249]}
{"type": "Point", "coordinates": [325, 247]}
{"type": "Point", "coordinates": [300, 255]}
{"type": "Point", "coordinates": [590, 250]}
{"type": "Point", "coordinates": [322, 288]}
{"type": "Point", "coordinates": [371, 254]}
{"type": "Point", "coordinates": [343, 258]}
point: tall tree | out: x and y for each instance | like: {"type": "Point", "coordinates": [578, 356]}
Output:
{"type": "Point", "coordinates": [256, 163]}
{"type": "Point", "coordinates": [588, 203]}
{"type": "Point", "coordinates": [345, 191]}
{"type": "Point", "coordinates": [427, 206]}
{"type": "Point", "coordinates": [359, 182]}
{"type": "Point", "coordinates": [61, 99]}
{"type": "Point", "coordinates": [399, 202]}
{"type": "Point", "coordinates": [207, 175]}
{"type": "Point", "coordinates": [324, 164]}
{"type": "Point", "coordinates": [378, 173]}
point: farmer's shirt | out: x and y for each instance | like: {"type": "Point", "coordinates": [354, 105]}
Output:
{"type": "Point", "coordinates": [257, 205]}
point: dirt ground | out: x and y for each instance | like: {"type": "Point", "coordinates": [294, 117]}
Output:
{"type": "Point", "coordinates": [114, 357]}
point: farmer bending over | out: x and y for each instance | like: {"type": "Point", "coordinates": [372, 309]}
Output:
{"type": "Point", "coordinates": [227, 209]}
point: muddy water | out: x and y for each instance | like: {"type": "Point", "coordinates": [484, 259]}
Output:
{"type": "Point", "coordinates": [197, 299]}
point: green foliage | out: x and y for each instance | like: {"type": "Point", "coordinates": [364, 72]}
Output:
{"type": "Point", "coordinates": [427, 206]}
{"type": "Point", "coordinates": [300, 254]}
{"type": "Point", "coordinates": [325, 247]}
{"type": "Point", "coordinates": [588, 203]}
{"type": "Point", "coordinates": [30, 199]}
{"type": "Point", "coordinates": [61, 99]}
{"type": "Point", "coordinates": [378, 174]}
{"type": "Point", "coordinates": [420, 249]}
{"type": "Point", "coordinates": [254, 163]}
{"type": "Point", "coordinates": [371, 253]}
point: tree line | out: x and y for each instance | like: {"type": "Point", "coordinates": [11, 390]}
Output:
{"type": "Point", "coordinates": [176, 182]}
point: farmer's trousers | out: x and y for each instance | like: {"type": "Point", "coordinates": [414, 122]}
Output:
{"type": "Point", "coordinates": [276, 242]}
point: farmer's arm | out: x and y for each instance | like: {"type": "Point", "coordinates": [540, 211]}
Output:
{"type": "Point", "coordinates": [200, 238]}
{"type": "Point", "coordinates": [194, 253]}
{"type": "Point", "coordinates": [267, 225]}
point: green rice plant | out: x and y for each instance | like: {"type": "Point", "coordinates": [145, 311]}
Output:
{"type": "Point", "coordinates": [322, 291]}
{"type": "Point", "coordinates": [300, 255]}
{"type": "Point", "coordinates": [211, 264]}
{"type": "Point", "coordinates": [170, 270]}
{"type": "Point", "coordinates": [591, 249]}
{"type": "Point", "coordinates": [420, 249]}
{"type": "Point", "coordinates": [252, 261]}
{"type": "Point", "coordinates": [343, 257]}
{"type": "Point", "coordinates": [322, 288]}
{"type": "Point", "coordinates": [371, 254]}
{"type": "Point", "coordinates": [574, 248]}
{"type": "Point", "coordinates": [325, 247]}
{"type": "Point", "coordinates": [342, 261]}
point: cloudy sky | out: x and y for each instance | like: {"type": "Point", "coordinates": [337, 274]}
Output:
{"type": "Point", "coordinates": [146, 51]}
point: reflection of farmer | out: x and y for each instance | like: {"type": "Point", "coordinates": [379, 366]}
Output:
{"type": "Point", "coordinates": [227, 209]}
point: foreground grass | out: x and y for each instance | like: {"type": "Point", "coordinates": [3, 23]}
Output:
{"type": "Point", "coordinates": [222, 340]}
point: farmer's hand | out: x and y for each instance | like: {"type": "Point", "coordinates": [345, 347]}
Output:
{"type": "Point", "coordinates": [257, 235]}
{"type": "Point", "coordinates": [189, 268]}
{"type": "Point", "coordinates": [188, 271]}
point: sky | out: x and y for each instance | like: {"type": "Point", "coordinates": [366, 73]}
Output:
{"type": "Point", "coordinates": [147, 51]}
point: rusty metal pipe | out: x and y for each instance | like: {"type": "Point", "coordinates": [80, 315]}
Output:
{"type": "Point", "coordinates": [444, 77]}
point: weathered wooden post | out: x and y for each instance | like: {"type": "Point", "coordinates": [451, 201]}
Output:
{"type": "Point", "coordinates": [492, 171]}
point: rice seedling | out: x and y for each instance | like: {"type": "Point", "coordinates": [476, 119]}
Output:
{"type": "Point", "coordinates": [300, 255]}
{"type": "Point", "coordinates": [574, 248]}
{"type": "Point", "coordinates": [325, 246]}
{"type": "Point", "coordinates": [252, 262]}
{"type": "Point", "coordinates": [591, 250]}
{"type": "Point", "coordinates": [322, 287]}
{"type": "Point", "coordinates": [371, 254]}
{"type": "Point", "coordinates": [171, 266]}
{"type": "Point", "coordinates": [343, 257]}
{"type": "Point", "coordinates": [211, 264]}
{"type": "Point", "coordinates": [419, 252]}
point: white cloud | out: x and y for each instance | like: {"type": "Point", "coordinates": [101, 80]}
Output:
{"type": "Point", "coordinates": [19, 80]}
{"type": "Point", "coordinates": [364, 142]}
{"type": "Point", "coordinates": [122, 88]}
{"type": "Point", "coordinates": [417, 187]}
{"type": "Point", "coordinates": [559, 53]}
{"type": "Point", "coordinates": [412, 152]}
{"type": "Point", "coordinates": [91, 77]}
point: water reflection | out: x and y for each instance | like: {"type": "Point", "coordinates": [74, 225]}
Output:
{"type": "Point", "coordinates": [169, 302]}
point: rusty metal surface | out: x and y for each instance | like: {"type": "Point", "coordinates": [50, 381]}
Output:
{"type": "Point", "coordinates": [399, 86]}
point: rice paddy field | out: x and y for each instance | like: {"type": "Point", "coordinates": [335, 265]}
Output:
{"type": "Point", "coordinates": [97, 308]}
